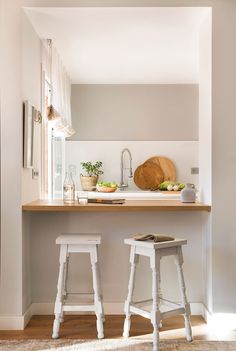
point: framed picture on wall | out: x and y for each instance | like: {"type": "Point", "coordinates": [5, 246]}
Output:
{"type": "Point", "coordinates": [28, 137]}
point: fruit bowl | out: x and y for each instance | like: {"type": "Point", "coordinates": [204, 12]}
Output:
{"type": "Point", "coordinates": [105, 187]}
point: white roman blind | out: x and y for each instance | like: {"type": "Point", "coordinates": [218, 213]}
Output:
{"type": "Point", "coordinates": [46, 59]}
{"type": "Point", "coordinates": [59, 110]}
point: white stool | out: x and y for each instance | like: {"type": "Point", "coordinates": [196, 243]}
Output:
{"type": "Point", "coordinates": [77, 243]}
{"type": "Point", "coordinates": [156, 251]}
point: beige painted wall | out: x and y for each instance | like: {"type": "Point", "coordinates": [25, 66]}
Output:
{"type": "Point", "coordinates": [135, 112]}
{"type": "Point", "coordinates": [114, 255]}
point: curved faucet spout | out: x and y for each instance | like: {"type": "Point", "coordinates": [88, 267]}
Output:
{"type": "Point", "coordinates": [122, 168]}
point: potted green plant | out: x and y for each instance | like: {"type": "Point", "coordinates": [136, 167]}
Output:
{"type": "Point", "coordinates": [90, 177]}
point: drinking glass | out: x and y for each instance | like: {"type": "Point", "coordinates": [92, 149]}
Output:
{"type": "Point", "coordinates": [82, 197]}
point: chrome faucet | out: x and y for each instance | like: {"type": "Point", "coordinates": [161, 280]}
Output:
{"type": "Point", "coordinates": [122, 168]}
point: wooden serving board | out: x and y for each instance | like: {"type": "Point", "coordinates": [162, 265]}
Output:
{"type": "Point", "coordinates": [166, 165]}
{"type": "Point", "coordinates": [148, 176]}
{"type": "Point", "coordinates": [153, 172]}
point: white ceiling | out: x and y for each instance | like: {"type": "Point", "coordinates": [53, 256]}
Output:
{"type": "Point", "coordinates": [124, 45]}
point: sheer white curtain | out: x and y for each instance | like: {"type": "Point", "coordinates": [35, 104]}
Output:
{"type": "Point", "coordinates": [59, 110]}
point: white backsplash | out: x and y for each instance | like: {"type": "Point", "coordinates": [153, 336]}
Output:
{"type": "Point", "coordinates": [184, 154]}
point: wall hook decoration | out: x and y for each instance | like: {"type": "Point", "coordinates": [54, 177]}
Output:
{"type": "Point", "coordinates": [37, 116]}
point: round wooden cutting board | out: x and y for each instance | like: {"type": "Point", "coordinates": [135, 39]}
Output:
{"type": "Point", "coordinates": [166, 165]}
{"type": "Point", "coordinates": [148, 176]}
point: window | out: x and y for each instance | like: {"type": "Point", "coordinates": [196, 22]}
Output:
{"type": "Point", "coordinates": [56, 93]}
{"type": "Point", "coordinates": [53, 153]}
{"type": "Point", "coordinates": [58, 165]}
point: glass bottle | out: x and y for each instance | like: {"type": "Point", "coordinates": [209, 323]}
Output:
{"type": "Point", "coordinates": [68, 189]}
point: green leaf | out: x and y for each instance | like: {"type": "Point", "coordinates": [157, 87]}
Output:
{"type": "Point", "coordinates": [92, 169]}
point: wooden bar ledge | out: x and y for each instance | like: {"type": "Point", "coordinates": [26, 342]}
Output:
{"type": "Point", "coordinates": [129, 205]}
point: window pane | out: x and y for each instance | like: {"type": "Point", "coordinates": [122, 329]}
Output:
{"type": "Point", "coordinates": [58, 165]}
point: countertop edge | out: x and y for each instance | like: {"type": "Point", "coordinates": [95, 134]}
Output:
{"type": "Point", "coordinates": [130, 205]}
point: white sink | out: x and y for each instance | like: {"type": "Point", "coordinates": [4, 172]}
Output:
{"type": "Point", "coordinates": [134, 195]}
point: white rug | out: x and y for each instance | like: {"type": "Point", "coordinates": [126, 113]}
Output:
{"type": "Point", "coordinates": [130, 344]}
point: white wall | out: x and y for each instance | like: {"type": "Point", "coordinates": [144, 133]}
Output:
{"type": "Point", "coordinates": [31, 91]}
{"type": "Point", "coordinates": [224, 158]}
{"type": "Point", "coordinates": [11, 160]}
{"type": "Point", "coordinates": [205, 108]}
{"type": "Point", "coordinates": [184, 154]}
{"type": "Point", "coordinates": [135, 111]}
{"type": "Point", "coordinates": [205, 144]}
{"type": "Point", "coordinates": [18, 82]}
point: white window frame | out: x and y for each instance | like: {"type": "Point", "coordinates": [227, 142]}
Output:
{"type": "Point", "coordinates": [47, 159]}
{"type": "Point", "coordinates": [55, 194]}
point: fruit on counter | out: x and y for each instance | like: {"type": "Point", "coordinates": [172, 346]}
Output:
{"type": "Point", "coordinates": [164, 185]}
{"type": "Point", "coordinates": [170, 185]}
{"type": "Point", "coordinates": [106, 187]}
{"type": "Point", "coordinates": [108, 184]}
{"type": "Point", "coordinates": [181, 185]}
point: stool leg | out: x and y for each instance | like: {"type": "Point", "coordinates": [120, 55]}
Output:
{"type": "Point", "coordinates": [64, 289]}
{"type": "Point", "coordinates": [133, 261]}
{"type": "Point", "coordinates": [155, 313]}
{"type": "Point", "coordinates": [179, 263]}
{"type": "Point", "coordinates": [97, 297]}
{"type": "Point", "coordinates": [100, 290]}
{"type": "Point", "coordinates": [65, 278]}
{"type": "Point", "coordinates": [58, 310]}
{"type": "Point", "coordinates": [159, 289]}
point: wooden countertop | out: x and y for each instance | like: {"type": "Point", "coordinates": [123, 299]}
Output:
{"type": "Point", "coordinates": [129, 205]}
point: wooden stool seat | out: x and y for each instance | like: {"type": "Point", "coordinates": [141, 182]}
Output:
{"type": "Point", "coordinates": [78, 243]}
{"type": "Point", "coordinates": [74, 239]}
{"type": "Point", "coordinates": [155, 251]}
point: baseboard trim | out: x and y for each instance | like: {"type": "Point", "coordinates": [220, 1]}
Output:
{"type": "Point", "coordinates": [207, 315]}
{"type": "Point", "coordinates": [20, 322]}
{"type": "Point", "coordinates": [27, 316]}
{"type": "Point", "coordinates": [220, 322]}
{"type": "Point", "coordinates": [197, 308]}
{"type": "Point", "coordinates": [12, 323]}
{"type": "Point", "coordinates": [16, 322]}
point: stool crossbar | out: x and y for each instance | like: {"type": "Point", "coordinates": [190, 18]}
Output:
{"type": "Point", "coordinates": [78, 243]}
{"type": "Point", "coordinates": [155, 251]}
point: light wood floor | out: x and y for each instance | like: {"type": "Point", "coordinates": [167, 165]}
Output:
{"type": "Point", "coordinates": [84, 327]}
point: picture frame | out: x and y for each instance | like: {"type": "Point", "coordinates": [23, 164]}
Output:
{"type": "Point", "coordinates": [28, 134]}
